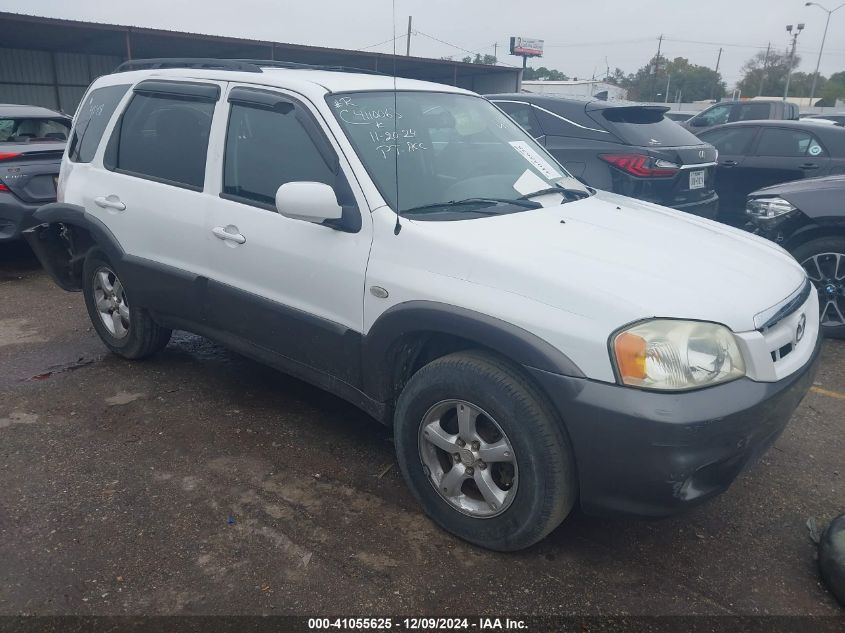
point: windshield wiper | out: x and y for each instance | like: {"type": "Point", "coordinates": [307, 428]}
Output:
{"type": "Point", "coordinates": [578, 194]}
{"type": "Point", "coordinates": [518, 202]}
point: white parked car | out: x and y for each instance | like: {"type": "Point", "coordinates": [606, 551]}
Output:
{"type": "Point", "coordinates": [405, 245]}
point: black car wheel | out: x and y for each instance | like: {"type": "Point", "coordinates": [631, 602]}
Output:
{"type": "Point", "coordinates": [824, 261]}
{"type": "Point", "coordinates": [483, 452]}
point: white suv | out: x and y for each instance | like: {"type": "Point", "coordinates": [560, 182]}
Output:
{"type": "Point", "coordinates": [405, 245]}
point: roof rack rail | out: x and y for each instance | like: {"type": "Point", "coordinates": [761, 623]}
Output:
{"type": "Point", "coordinates": [208, 63]}
{"type": "Point", "coordinates": [242, 65]}
{"type": "Point", "coordinates": [272, 63]}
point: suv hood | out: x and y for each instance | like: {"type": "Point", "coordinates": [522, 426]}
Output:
{"type": "Point", "coordinates": [801, 186]}
{"type": "Point", "coordinates": [615, 260]}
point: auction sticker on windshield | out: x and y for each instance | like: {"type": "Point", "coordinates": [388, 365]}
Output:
{"type": "Point", "coordinates": [536, 161]}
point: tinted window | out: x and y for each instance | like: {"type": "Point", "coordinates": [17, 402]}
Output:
{"type": "Point", "coordinates": [731, 141]}
{"type": "Point", "coordinates": [33, 130]}
{"type": "Point", "coordinates": [164, 138]}
{"type": "Point", "coordinates": [522, 113]}
{"type": "Point", "coordinates": [646, 127]}
{"type": "Point", "coordinates": [93, 116]}
{"type": "Point", "coordinates": [780, 142]}
{"type": "Point", "coordinates": [267, 148]}
{"type": "Point", "coordinates": [715, 115]}
{"type": "Point", "coordinates": [753, 111]}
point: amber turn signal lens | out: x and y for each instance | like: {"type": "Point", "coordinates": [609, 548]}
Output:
{"type": "Point", "coordinates": [630, 352]}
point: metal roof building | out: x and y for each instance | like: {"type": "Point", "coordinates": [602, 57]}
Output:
{"type": "Point", "coordinates": [50, 62]}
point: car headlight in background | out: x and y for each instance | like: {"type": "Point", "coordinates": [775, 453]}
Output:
{"type": "Point", "coordinates": [673, 355]}
{"type": "Point", "coordinates": [768, 208]}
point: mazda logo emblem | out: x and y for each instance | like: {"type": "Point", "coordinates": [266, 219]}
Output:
{"type": "Point", "coordinates": [799, 331]}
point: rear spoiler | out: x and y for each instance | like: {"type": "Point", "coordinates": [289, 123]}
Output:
{"type": "Point", "coordinates": [592, 106]}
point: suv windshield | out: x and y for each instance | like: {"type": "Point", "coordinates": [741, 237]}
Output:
{"type": "Point", "coordinates": [28, 130]}
{"type": "Point", "coordinates": [448, 148]}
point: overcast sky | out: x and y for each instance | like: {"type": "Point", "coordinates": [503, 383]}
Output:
{"type": "Point", "coordinates": [578, 35]}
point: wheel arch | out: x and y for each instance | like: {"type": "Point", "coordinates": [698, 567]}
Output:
{"type": "Point", "coordinates": [62, 252]}
{"type": "Point", "coordinates": [814, 231]}
{"type": "Point", "coordinates": [411, 334]}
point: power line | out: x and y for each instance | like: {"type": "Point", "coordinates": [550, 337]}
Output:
{"type": "Point", "coordinates": [460, 48]}
{"type": "Point", "coordinates": [392, 39]}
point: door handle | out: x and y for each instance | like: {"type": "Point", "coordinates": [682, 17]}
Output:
{"type": "Point", "coordinates": [221, 233]}
{"type": "Point", "coordinates": [809, 166]}
{"type": "Point", "coordinates": [110, 202]}
{"type": "Point", "coordinates": [728, 163]}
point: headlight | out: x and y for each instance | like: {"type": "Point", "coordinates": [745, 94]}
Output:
{"type": "Point", "coordinates": [768, 208]}
{"type": "Point", "coordinates": [670, 355]}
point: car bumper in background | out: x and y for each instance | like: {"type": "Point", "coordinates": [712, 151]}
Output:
{"type": "Point", "coordinates": [708, 208]}
{"type": "Point", "coordinates": [654, 454]}
{"type": "Point", "coordinates": [15, 216]}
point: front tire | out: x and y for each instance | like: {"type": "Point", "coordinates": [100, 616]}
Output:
{"type": "Point", "coordinates": [483, 452]}
{"type": "Point", "coordinates": [126, 329]}
{"type": "Point", "coordinates": [824, 261]}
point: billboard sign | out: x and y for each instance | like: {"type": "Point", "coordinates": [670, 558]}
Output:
{"type": "Point", "coordinates": [526, 47]}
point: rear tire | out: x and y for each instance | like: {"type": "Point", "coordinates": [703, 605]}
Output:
{"type": "Point", "coordinates": [127, 330]}
{"type": "Point", "coordinates": [478, 399]}
{"type": "Point", "coordinates": [824, 261]}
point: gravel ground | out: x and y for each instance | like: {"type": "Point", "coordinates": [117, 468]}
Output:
{"type": "Point", "coordinates": [200, 482]}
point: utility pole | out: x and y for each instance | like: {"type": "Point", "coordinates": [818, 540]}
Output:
{"type": "Point", "coordinates": [716, 75]}
{"type": "Point", "coordinates": [824, 37]}
{"type": "Point", "coordinates": [408, 42]}
{"type": "Point", "coordinates": [495, 52]}
{"type": "Point", "coordinates": [765, 68]}
{"type": "Point", "coordinates": [666, 96]}
{"type": "Point", "coordinates": [656, 65]}
{"type": "Point", "coordinates": [791, 56]}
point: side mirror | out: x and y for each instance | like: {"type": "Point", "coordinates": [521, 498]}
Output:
{"type": "Point", "coordinates": [699, 121]}
{"type": "Point", "coordinates": [309, 201]}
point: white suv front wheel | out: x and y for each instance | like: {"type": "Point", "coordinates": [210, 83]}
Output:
{"type": "Point", "coordinates": [483, 452]}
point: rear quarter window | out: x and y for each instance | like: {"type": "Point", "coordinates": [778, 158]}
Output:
{"type": "Point", "coordinates": [646, 127]}
{"type": "Point", "coordinates": [93, 116]}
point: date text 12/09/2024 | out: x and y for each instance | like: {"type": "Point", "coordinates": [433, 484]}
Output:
{"type": "Point", "coordinates": [417, 624]}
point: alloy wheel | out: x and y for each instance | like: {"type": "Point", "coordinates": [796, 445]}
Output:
{"type": "Point", "coordinates": [110, 300]}
{"type": "Point", "coordinates": [468, 459]}
{"type": "Point", "coordinates": [827, 272]}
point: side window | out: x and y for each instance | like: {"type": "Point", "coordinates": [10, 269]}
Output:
{"type": "Point", "coordinates": [716, 115]}
{"type": "Point", "coordinates": [266, 148]}
{"type": "Point", "coordinates": [794, 143]}
{"type": "Point", "coordinates": [731, 141]}
{"type": "Point", "coordinates": [753, 111]}
{"type": "Point", "coordinates": [163, 138]}
{"type": "Point", "coordinates": [94, 114]}
{"type": "Point", "coordinates": [524, 115]}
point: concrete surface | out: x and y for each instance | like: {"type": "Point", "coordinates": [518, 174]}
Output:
{"type": "Point", "coordinates": [202, 482]}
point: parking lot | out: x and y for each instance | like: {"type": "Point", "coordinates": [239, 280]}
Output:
{"type": "Point", "coordinates": [202, 482]}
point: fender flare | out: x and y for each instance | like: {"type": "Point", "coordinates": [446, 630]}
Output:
{"type": "Point", "coordinates": [513, 342]}
{"type": "Point", "coordinates": [53, 255]}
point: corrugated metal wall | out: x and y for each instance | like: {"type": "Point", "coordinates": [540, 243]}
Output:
{"type": "Point", "coordinates": [52, 80]}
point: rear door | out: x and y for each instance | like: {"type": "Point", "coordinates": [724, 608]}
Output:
{"type": "Point", "coordinates": [733, 144]}
{"type": "Point", "coordinates": [148, 186]}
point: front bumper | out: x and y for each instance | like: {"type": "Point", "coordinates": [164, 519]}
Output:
{"type": "Point", "coordinates": [654, 454]}
{"type": "Point", "coordinates": [15, 216]}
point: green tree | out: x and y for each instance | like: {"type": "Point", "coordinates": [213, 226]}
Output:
{"type": "Point", "coordinates": [490, 60]}
{"type": "Point", "coordinates": [834, 89]}
{"type": "Point", "coordinates": [693, 82]}
{"type": "Point", "coordinates": [544, 74]}
{"type": "Point", "coordinates": [771, 74]}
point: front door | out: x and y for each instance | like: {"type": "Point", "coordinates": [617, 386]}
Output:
{"type": "Point", "coordinates": [287, 287]}
{"type": "Point", "coordinates": [784, 154]}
